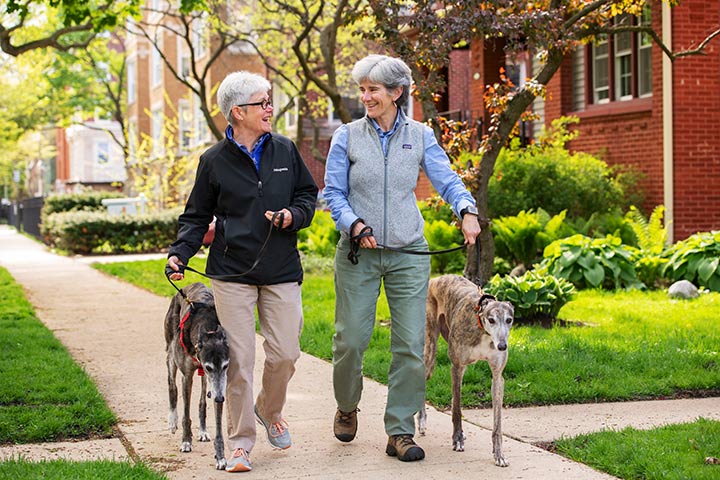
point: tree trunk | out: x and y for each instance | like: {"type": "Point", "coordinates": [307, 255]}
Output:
{"type": "Point", "coordinates": [479, 272]}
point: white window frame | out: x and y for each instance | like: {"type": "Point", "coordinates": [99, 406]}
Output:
{"type": "Point", "coordinates": [185, 132]}
{"type": "Point", "coordinates": [156, 64]}
{"type": "Point", "coordinates": [601, 84]}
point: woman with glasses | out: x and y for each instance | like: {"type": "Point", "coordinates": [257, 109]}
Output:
{"type": "Point", "coordinates": [249, 180]}
{"type": "Point", "coordinates": [370, 178]}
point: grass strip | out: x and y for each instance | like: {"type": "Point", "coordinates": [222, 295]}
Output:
{"type": "Point", "coordinates": [672, 452]}
{"type": "Point", "coordinates": [44, 394]}
{"type": "Point", "coordinates": [62, 470]}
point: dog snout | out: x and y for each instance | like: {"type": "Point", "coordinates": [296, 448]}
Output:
{"type": "Point", "coordinates": [502, 346]}
{"type": "Point", "coordinates": [219, 398]}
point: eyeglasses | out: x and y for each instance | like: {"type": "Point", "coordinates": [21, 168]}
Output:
{"type": "Point", "coordinates": [264, 104]}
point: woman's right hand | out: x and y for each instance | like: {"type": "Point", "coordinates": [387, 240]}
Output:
{"type": "Point", "coordinates": [365, 242]}
{"type": "Point", "coordinates": [173, 262]}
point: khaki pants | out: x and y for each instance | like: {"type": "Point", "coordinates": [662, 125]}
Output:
{"type": "Point", "coordinates": [280, 316]}
{"type": "Point", "coordinates": [405, 279]}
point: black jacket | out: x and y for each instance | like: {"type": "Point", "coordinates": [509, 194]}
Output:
{"type": "Point", "coordinates": [228, 186]}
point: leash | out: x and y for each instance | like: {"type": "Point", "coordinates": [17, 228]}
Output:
{"type": "Point", "coordinates": [195, 305]}
{"type": "Point", "coordinates": [367, 231]}
{"type": "Point", "coordinates": [169, 271]}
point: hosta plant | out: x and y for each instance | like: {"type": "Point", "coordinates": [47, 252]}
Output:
{"type": "Point", "coordinates": [696, 259]}
{"type": "Point", "coordinates": [534, 295]}
{"type": "Point", "coordinates": [592, 263]}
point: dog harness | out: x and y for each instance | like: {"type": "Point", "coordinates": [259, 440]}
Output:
{"type": "Point", "coordinates": [201, 370]}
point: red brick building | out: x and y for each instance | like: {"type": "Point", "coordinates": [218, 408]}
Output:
{"type": "Point", "coordinates": [635, 106]}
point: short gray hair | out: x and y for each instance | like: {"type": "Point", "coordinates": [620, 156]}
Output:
{"type": "Point", "coordinates": [237, 88]}
{"type": "Point", "coordinates": [389, 71]}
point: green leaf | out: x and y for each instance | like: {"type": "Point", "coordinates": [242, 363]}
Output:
{"type": "Point", "coordinates": [707, 268]}
{"type": "Point", "coordinates": [595, 275]}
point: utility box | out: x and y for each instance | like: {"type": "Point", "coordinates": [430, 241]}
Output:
{"type": "Point", "coordinates": [125, 206]}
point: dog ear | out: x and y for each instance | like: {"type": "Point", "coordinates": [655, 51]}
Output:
{"type": "Point", "coordinates": [484, 300]}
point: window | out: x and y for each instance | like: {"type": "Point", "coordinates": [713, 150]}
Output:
{"type": "Point", "coordinates": [156, 66]}
{"type": "Point", "coordinates": [621, 65]}
{"type": "Point", "coordinates": [200, 125]}
{"type": "Point", "coordinates": [157, 131]}
{"type": "Point", "coordinates": [184, 125]}
{"type": "Point", "coordinates": [103, 153]}
{"type": "Point", "coordinates": [353, 104]}
{"type": "Point", "coordinates": [131, 81]}
{"type": "Point", "coordinates": [199, 42]}
{"type": "Point", "coordinates": [183, 56]}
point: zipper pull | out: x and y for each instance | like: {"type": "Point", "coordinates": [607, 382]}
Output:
{"type": "Point", "coordinates": [260, 188]}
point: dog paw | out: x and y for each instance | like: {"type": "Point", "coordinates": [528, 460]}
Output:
{"type": "Point", "coordinates": [203, 436]}
{"type": "Point", "coordinates": [220, 464]}
{"type": "Point", "coordinates": [500, 461]}
{"type": "Point", "coordinates": [186, 447]}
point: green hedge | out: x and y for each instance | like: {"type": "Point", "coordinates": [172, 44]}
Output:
{"type": "Point", "coordinates": [91, 201]}
{"type": "Point", "coordinates": [86, 232]}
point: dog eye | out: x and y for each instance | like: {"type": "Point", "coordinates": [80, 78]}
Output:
{"type": "Point", "coordinates": [491, 321]}
{"type": "Point", "coordinates": [209, 368]}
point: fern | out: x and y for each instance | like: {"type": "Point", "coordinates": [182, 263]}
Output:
{"type": "Point", "coordinates": [651, 234]}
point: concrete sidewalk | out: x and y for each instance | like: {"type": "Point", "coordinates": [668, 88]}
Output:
{"type": "Point", "coordinates": [114, 330]}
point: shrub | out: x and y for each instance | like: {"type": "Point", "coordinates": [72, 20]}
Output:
{"type": "Point", "coordinates": [87, 232]}
{"type": "Point", "coordinates": [441, 235]}
{"type": "Point", "coordinates": [321, 237]}
{"type": "Point", "coordinates": [696, 259]}
{"type": "Point", "coordinates": [546, 175]}
{"type": "Point", "coordinates": [600, 225]}
{"type": "Point", "coordinates": [524, 236]}
{"type": "Point", "coordinates": [592, 263]}
{"type": "Point", "coordinates": [534, 295]}
{"type": "Point", "coordinates": [91, 201]}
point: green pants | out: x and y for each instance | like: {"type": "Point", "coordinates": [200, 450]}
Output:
{"type": "Point", "coordinates": [357, 287]}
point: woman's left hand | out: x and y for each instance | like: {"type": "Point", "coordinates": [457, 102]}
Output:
{"type": "Point", "coordinates": [286, 218]}
{"type": "Point", "coordinates": [470, 228]}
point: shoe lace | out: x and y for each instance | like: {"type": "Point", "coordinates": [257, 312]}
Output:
{"type": "Point", "coordinates": [241, 452]}
{"type": "Point", "coordinates": [278, 428]}
{"type": "Point", "coordinates": [346, 418]}
{"type": "Point", "coordinates": [404, 440]}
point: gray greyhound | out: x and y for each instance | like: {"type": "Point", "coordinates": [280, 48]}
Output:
{"type": "Point", "coordinates": [195, 341]}
{"type": "Point", "coordinates": [476, 327]}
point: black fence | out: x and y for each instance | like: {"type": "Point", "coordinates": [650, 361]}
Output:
{"type": "Point", "coordinates": [24, 215]}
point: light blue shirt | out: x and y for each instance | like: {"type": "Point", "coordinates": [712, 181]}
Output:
{"type": "Point", "coordinates": [435, 164]}
{"type": "Point", "coordinates": [257, 149]}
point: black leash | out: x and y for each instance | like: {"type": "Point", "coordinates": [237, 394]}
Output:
{"type": "Point", "coordinates": [367, 231]}
{"type": "Point", "coordinates": [182, 268]}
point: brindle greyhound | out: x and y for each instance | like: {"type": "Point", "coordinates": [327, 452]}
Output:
{"type": "Point", "coordinates": [476, 327]}
{"type": "Point", "coordinates": [195, 340]}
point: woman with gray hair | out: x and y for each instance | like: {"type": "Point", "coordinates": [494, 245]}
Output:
{"type": "Point", "coordinates": [370, 178]}
{"type": "Point", "coordinates": [244, 181]}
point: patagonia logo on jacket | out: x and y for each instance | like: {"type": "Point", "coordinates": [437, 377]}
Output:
{"type": "Point", "coordinates": [283, 169]}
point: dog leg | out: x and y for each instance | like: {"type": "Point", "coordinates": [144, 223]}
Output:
{"type": "Point", "coordinates": [172, 392]}
{"type": "Point", "coordinates": [498, 392]}
{"type": "Point", "coordinates": [219, 444]}
{"type": "Point", "coordinates": [187, 382]}
{"type": "Point", "coordinates": [458, 437]}
{"type": "Point", "coordinates": [422, 420]}
{"type": "Point", "coordinates": [203, 436]}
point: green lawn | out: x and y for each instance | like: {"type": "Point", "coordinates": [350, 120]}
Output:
{"type": "Point", "coordinates": [620, 345]}
{"type": "Point", "coordinates": [673, 452]}
{"type": "Point", "coordinates": [44, 394]}
{"type": "Point", "coordinates": [65, 470]}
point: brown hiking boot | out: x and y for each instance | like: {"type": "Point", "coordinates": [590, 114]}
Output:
{"type": "Point", "coordinates": [345, 425]}
{"type": "Point", "coordinates": [404, 448]}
